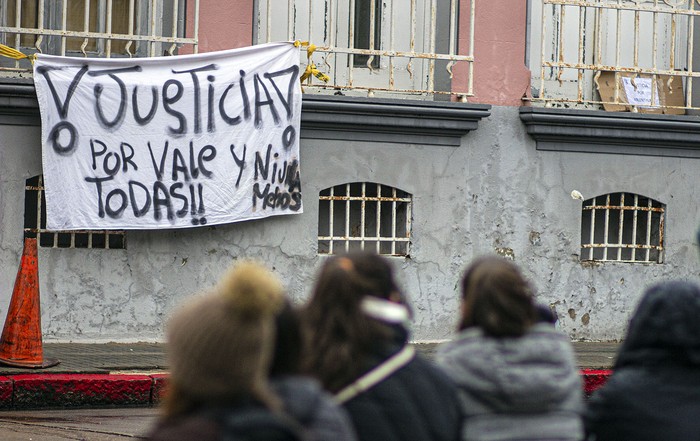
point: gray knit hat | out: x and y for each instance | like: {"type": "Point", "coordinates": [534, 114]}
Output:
{"type": "Point", "coordinates": [220, 344]}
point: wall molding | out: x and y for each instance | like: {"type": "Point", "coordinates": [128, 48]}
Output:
{"type": "Point", "coordinates": [330, 117]}
{"type": "Point", "coordinates": [598, 131]}
{"type": "Point", "coordinates": [441, 123]}
{"type": "Point", "coordinates": [18, 104]}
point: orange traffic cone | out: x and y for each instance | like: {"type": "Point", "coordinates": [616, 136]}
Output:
{"type": "Point", "coordinates": [20, 344]}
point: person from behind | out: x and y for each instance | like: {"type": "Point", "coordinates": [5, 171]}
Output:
{"type": "Point", "coordinates": [654, 391]}
{"type": "Point", "coordinates": [219, 348]}
{"type": "Point", "coordinates": [302, 396]}
{"type": "Point", "coordinates": [516, 374]}
{"type": "Point", "coordinates": [355, 322]}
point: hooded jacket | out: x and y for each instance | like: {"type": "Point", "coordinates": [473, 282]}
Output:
{"type": "Point", "coordinates": [524, 388]}
{"type": "Point", "coordinates": [305, 401]}
{"type": "Point", "coordinates": [654, 392]}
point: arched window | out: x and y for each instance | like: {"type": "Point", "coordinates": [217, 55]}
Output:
{"type": "Point", "coordinates": [622, 227]}
{"type": "Point", "coordinates": [364, 216]}
{"type": "Point", "coordinates": [35, 225]}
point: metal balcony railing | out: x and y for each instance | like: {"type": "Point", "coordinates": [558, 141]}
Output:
{"type": "Point", "coordinates": [636, 55]}
{"type": "Point", "coordinates": [94, 28]}
{"type": "Point", "coordinates": [389, 47]}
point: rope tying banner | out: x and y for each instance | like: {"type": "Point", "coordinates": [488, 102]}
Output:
{"type": "Point", "coordinates": [311, 69]}
{"type": "Point", "coordinates": [7, 51]}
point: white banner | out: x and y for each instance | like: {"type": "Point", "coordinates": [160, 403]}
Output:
{"type": "Point", "coordinates": [170, 142]}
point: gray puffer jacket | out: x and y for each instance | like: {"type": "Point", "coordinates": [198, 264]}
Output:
{"type": "Point", "coordinates": [525, 388]}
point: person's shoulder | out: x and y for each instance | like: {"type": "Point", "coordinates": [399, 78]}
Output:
{"type": "Point", "coordinates": [304, 398]}
{"type": "Point", "coordinates": [464, 345]}
{"type": "Point", "coordinates": [544, 328]}
{"type": "Point", "coordinates": [296, 386]}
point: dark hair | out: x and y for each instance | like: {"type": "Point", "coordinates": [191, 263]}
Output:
{"type": "Point", "coordinates": [496, 298]}
{"type": "Point", "coordinates": [288, 343]}
{"type": "Point", "coordinates": [338, 334]}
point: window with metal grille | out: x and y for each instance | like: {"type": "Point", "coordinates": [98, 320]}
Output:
{"type": "Point", "coordinates": [367, 31]}
{"type": "Point", "coordinates": [639, 55]}
{"type": "Point", "coordinates": [622, 227]}
{"type": "Point", "coordinates": [364, 216]}
{"type": "Point", "coordinates": [35, 225]}
{"type": "Point", "coordinates": [96, 28]}
{"type": "Point", "coordinates": [388, 47]}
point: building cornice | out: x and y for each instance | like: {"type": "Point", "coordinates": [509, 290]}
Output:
{"type": "Point", "coordinates": [323, 117]}
{"type": "Point", "coordinates": [18, 104]}
{"type": "Point", "coordinates": [597, 131]}
{"type": "Point", "coordinates": [334, 117]}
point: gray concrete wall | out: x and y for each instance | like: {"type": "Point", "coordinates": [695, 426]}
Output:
{"type": "Point", "coordinates": [524, 204]}
{"type": "Point", "coordinates": [494, 192]}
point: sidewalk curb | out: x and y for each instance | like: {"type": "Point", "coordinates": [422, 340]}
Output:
{"type": "Point", "coordinates": [594, 379]}
{"type": "Point", "coordinates": [35, 391]}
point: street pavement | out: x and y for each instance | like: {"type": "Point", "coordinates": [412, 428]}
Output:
{"type": "Point", "coordinates": [135, 375]}
{"type": "Point", "coordinates": [124, 358]}
{"type": "Point", "coordinates": [76, 424]}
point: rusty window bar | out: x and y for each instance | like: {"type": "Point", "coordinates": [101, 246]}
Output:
{"type": "Point", "coordinates": [592, 229]}
{"type": "Point", "coordinates": [675, 12]}
{"type": "Point", "coordinates": [619, 227]}
{"type": "Point", "coordinates": [355, 226]}
{"type": "Point", "coordinates": [626, 229]}
{"type": "Point", "coordinates": [150, 32]}
{"type": "Point", "coordinates": [347, 217]}
{"type": "Point", "coordinates": [53, 236]}
{"type": "Point", "coordinates": [409, 67]}
{"type": "Point", "coordinates": [607, 225]}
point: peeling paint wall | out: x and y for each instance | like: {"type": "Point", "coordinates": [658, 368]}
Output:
{"type": "Point", "coordinates": [494, 194]}
{"type": "Point", "coordinates": [523, 203]}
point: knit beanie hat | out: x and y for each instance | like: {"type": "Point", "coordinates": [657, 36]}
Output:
{"type": "Point", "coordinates": [220, 344]}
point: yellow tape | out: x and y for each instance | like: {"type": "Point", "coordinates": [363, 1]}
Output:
{"type": "Point", "coordinates": [7, 51]}
{"type": "Point", "coordinates": [310, 50]}
{"type": "Point", "coordinates": [311, 68]}
{"type": "Point", "coordinates": [306, 74]}
{"type": "Point", "coordinates": [320, 75]}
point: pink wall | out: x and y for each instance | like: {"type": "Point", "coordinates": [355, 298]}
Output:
{"type": "Point", "coordinates": [223, 24]}
{"type": "Point", "coordinates": [500, 75]}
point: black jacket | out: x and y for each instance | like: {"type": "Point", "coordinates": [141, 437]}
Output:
{"type": "Point", "coordinates": [654, 392]}
{"type": "Point", "coordinates": [418, 402]}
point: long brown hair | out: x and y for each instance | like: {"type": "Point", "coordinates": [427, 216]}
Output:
{"type": "Point", "coordinates": [496, 298]}
{"type": "Point", "coordinates": [338, 334]}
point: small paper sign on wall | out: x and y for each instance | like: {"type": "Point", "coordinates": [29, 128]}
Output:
{"type": "Point", "coordinates": [170, 142]}
{"type": "Point", "coordinates": [626, 91]}
{"type": "Point", "coordinates": [638, 92]}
